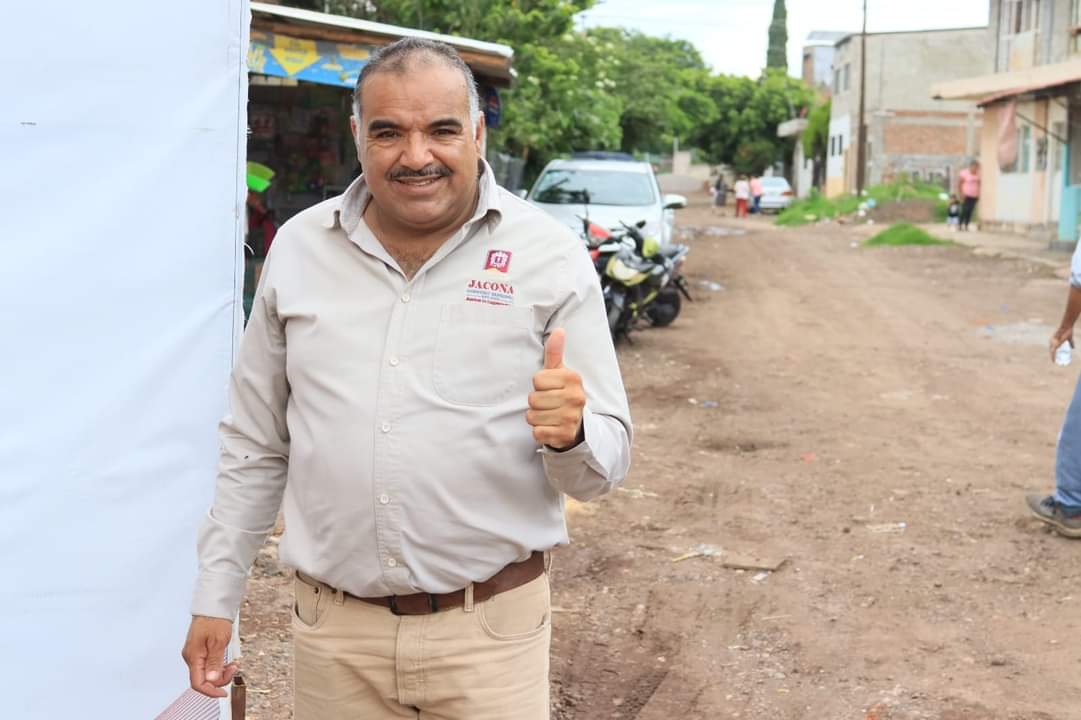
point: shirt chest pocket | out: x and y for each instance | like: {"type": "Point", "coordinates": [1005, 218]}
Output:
{"type": "Point", "coordinates": [483, 353]}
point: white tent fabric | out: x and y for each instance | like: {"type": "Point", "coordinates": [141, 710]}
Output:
{"type": "Point", "coordinates": [122, 130]}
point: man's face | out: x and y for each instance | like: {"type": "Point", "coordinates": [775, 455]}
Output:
{"type": "Point", "coordinates": [417, 147]}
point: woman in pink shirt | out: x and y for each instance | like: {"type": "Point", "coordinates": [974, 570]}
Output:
{"type": "Point", "coordinates": [968, 186]}
{"type": "Point", "coordinates": [756, 194]}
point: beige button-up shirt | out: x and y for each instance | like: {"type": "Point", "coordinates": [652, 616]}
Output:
{"type": "Point", "coordinates": [386, 416]}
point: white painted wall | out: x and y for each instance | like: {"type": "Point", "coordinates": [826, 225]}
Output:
{"type": "Point", "coordinates": [802, 171]}
{"type": "Point", "coordinates": [1014, 197]}
{"type": "Point", "coordinates": [835, 163]}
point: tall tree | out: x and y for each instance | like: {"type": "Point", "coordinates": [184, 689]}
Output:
{"type": "Point", "coordinates": [749, 111]}
{"type": "Point", "coordinates": [777, 55]}
{"type": "Point", "coordinates": [662, 83]}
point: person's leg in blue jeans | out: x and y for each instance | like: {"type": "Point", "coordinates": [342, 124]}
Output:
{"type": "Point", "coordinates": [1068, 457]}
{"type": "Point", "coordinates": [1062, 510]}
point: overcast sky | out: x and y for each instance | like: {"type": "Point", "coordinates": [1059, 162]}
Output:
{"type": "Point", "coordinates": [732, 34]}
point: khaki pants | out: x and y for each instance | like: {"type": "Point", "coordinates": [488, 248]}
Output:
{"type": "Point", "coordinates": [484, 661]}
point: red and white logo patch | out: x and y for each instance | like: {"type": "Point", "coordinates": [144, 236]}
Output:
{"type": "Point", "coordinates": [498, 261]}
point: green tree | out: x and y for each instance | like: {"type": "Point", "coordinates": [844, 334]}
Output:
{"type": "Point", "coordinates": [561, 102]}
{"type": "Point", "coordinates": [777, 54]}
{"type": "Point", "coordinates": [753, 156]}
{"type": "Point", "coordinates": [562, 98]}
{"type": "Point", "coordinates": [606, 88]}
{"type": "Point", "coordinates": [816, 139]}
{"type": "Point", "coordinates": [661, 83]}
{"type": "Point", "coordinates": [750, 110]}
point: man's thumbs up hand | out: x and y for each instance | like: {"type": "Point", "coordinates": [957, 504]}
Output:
{"type": "Point", "coordinates": [553, 349]}
{"type": "Point", "coordinates": [556, 405]}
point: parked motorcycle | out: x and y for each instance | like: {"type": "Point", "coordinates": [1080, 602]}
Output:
{"type": "Point", "coordinates": [641, 281]}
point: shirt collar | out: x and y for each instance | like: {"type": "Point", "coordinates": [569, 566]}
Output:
{"type": "Point", "coordinates": [348, 211]}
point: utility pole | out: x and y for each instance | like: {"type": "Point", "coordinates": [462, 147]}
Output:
{"type": "Point", "coordinates": [861, 134]}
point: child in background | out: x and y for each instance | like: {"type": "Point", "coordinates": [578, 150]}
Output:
{"type": "Point", "coordinates": [953, 213]}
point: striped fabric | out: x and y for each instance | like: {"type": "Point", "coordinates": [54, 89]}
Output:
{"type": "Point", "coordinates": [192, 706]}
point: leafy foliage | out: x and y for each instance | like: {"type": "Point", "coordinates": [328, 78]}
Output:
{"type": "Point", "coordinates": [661, 84]}
{"type": "Point", "coordinates": [817, 135]}
{"type": "Point", "coordinates": [605, 88]}
{"type": "Point", "coordinates": [749, 111]}
{"type": "Point", "coordinates": [777, 54]}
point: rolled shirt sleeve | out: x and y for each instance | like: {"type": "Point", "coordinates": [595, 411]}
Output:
{"type": "Point", "coordinates": [601, 461]}
{"type": "Point", "coordinates": [253, 464]}
{"type": "Point", "coordinates": [1075, 267]}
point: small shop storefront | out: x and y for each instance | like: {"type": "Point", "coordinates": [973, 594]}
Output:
{"type": "Point", "coordinates": [303, 67]}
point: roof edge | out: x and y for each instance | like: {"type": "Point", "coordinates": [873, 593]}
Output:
{"type": "Point", "coordinates": [1001, 85]}
{"type": "Point", "coordinates": [843, 40]}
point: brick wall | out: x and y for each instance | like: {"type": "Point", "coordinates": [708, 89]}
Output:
{"type": "Point", "coordinates": [920, 139]}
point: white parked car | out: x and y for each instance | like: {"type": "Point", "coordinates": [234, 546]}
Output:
{"type": "Point", "coordinates": [776, 194]}
{"type": "Point", "coordinates": [611, 191]}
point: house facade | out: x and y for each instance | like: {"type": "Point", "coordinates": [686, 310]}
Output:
{"type": "Point", "coordinates": [907, 133]}
{"type": "Point", "coordinates": [1030, 145]}
{"type": "Point", "coordinates": [817, 71]}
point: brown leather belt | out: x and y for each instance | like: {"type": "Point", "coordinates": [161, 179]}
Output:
{"type": "Point", "coordinates": [510, 577]}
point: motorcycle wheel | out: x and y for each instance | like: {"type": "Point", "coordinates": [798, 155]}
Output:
{"type": "Point", "coordinates": [665, 308]}
{"type": "Point", "coordinates": [614, 314]}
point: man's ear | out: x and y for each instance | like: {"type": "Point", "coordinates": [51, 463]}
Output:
{"type": "Point", "coordinates": [479, 137]}
{"type": "Point", "coordinates": [356, 136]}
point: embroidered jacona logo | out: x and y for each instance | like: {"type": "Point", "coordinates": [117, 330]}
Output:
{"type": "Point", "coordinates": [498, 261]}
{"type": "Point", "coordinates": [489, 292]}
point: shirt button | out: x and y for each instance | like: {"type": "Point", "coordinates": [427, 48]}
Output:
{"type": "Point", "coordinates": [406, 297]}
{"type": "Point", "coordinates": [391, 562]}
{"type": "Point", "coordinates": [384, 499]}
{"type": "Point", "coordinates": [385, 427]}
{"type": "Point", "coordinates": [394, 362]}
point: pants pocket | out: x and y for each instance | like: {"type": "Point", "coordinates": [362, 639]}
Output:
{"type": "Point", "coordinates": [312, 603]}
{"type": "Point", "coordinates": [519, 614]}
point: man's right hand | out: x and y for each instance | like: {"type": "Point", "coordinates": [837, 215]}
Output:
{"type": "Point", "coordinates": [204, 652]}
{"type": "Point", "coordinates": [1061, 335]}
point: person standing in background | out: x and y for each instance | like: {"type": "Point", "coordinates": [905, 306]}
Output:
{"type": "Point", "coordinates": [720, 194]}
{"type": "Point", "coordinates": [968, 187]}
{"type": "Point", "coordinates": [1062, 508]}
{"type": "Point", "coordinates": [953, 213]}
{"type": "Point", "coordinates": [756, 194]}
{"type": "Point", "coordinates": [743, 195]}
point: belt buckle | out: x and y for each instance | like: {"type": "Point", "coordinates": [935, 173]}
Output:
{"type": "Point", "coordinates": [433, 605]}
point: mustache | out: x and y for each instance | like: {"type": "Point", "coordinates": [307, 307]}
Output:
{"type": "Point", "coordinates": [429, 171]}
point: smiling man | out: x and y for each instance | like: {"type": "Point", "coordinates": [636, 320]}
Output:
{"type": "Point", "coordinates": [426, 372]}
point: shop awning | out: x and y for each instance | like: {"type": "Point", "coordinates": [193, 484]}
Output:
{"type": "Point", "coordinates": [331, 49]}
{"type": "Point", "coordinates": [317, 61]}
{"type": "Point", "coordinates": [989, 88]}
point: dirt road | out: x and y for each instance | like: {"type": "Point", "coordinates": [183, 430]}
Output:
{"type": "Point", "coordinates": [872, 417]}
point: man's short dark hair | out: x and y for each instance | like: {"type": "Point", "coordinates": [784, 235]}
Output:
{"type": "Point", "coordinates": [395, 58]}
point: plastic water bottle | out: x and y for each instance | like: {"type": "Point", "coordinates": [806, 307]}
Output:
{"type": "Point", "coordinates": [1064, 354]}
